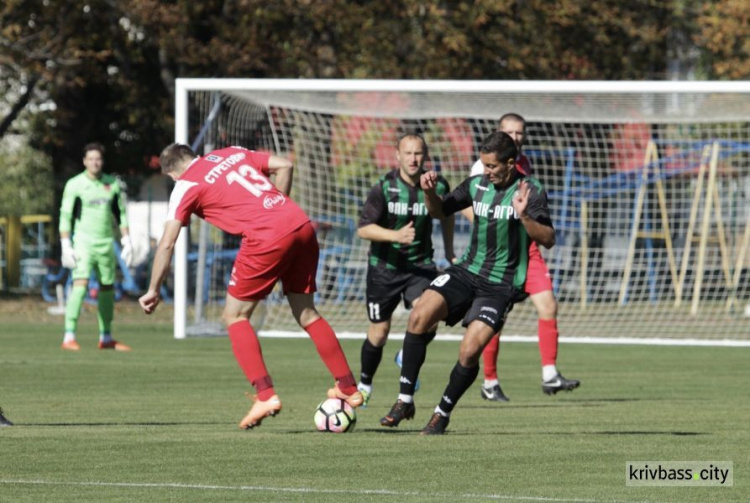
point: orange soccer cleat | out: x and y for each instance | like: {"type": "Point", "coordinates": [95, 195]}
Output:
{"type": "Point", "coordinates": [71, 345]}
{"type": "Point", "coordinates": [354, 400]}
{"type": "Point", "coordinates": [113, 344]}
{"type": "Point", "coordinates": [259, 411]}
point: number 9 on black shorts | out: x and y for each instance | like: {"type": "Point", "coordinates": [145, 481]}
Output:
{"type": "Point", "coordinates": [471, 297]}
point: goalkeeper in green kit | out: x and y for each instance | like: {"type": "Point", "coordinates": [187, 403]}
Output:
{"type": "Point", "coordinates": [92, 202]}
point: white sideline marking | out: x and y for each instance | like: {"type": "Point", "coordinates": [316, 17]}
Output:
{"type": "Point", "coordinates": [528, 338]}
{"type": "Point", "coordinates": [305, 490]}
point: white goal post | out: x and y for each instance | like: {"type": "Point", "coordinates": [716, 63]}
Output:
{"type": "Point", "coordinates": [649, 187]}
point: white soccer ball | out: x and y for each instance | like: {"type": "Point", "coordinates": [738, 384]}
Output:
{"type": "Point", "coordinates": [334, 415]}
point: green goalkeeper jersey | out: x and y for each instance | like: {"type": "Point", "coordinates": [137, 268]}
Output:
{"type": "Point", "coordinates": [91, 206]}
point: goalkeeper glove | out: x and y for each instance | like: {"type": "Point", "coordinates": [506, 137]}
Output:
{"type": "Point", "coordinates": [69, 257]}
{"type": "Point", "coordinates": [127, 250]}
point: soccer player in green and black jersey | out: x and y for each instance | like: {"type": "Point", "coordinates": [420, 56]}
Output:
{"type": "Point", "coordinates": [92, 203]}
{"type": "Point", "coordinates": [396, 222]}
{"type": "Point", "coordinates": [510, 211]}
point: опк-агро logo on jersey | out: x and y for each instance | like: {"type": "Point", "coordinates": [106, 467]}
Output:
{"type": "Point", "coordinates": [275, 200]}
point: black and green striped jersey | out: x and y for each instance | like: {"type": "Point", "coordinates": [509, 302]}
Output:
{"type": "Point", "coordinates": [392, 204]}
{"type": "Point", "coordinates": [499, 246]}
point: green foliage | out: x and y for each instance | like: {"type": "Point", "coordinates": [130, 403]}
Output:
{"type": "Point", "coordinates": [104, 70]}
{"type": "Point", "coordinates": [723, 38]}
{"type": "Point", "coordinates": [28, 181]}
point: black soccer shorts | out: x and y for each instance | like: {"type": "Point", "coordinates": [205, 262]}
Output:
{"type": "Point", "coordinates": [471, 297]}
{"type": "Point", "coordinates": [386, 288]}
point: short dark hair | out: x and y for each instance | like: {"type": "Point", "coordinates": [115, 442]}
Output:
{"type": "Point", "coordinates": [93, 146]}
{"type": "Point", "coordinates": [501, 144]}
{"type": "Point", "coordinates": [511, 116]}
{"type": "Point", "coordinates": [174, 155]}
{"type": "Point", "coordinates": [414, 136]}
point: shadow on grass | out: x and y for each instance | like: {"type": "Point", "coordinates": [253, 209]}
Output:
{"type": "Point", "coordinates": [675, 433]}
{"type": "Point", "coordinates": [568, 402]}
{"type": "Point", "coordinates": [186, 423]}
{"type": "Point", "coordinates": [453, 432]}
{"type": "Point", "coordinates": [460, 432]}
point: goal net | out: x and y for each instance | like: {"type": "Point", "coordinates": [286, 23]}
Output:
{"type": "Point", "coordinates": [648, 184]}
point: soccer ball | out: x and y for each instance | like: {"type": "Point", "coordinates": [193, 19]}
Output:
{"type": "Point", "coordinates": [335, 416]}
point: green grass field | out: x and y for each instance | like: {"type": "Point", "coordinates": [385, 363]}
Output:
{"type": "Point", "coordinates": [159, 424]}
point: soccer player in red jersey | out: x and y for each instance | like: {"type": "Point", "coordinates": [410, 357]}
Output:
{"type": "Point", "coordinates": [230, 188]}
{"type": "Point", "coordinates": [538, 287]}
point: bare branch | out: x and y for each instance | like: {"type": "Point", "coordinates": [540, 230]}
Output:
{"type": "Point", "coordinates": [17, 107]}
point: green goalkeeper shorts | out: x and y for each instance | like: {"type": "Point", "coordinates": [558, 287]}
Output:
{"type": "Point", "coordinates": [99, 256]}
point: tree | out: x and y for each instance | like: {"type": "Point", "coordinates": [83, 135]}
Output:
{"type": "Point", "coordinates": [723, 38]}
{"type": "Point", "coordinates": [27, 186]}
{"type": "Point", "coordinates": [75, 71]}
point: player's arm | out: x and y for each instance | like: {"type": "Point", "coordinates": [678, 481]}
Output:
{"type": "Point", "coordinates": [468, 213]}
{"type": "Point", "coordinates": [160, 267]}
{"type": "Point", "coordinates": [182, 203]}
{"type": "Point", "coordinates": [432, 200]}
{"type": "Point", "coordinates": [120, 212]}
{"type": "Point", "coordinates": [66, 211]}
{"type": "Point", "coordinates": [283, 169]}
{"type": "Point", "coordinates": [531, 208]}
{"type": "Point", "coordinates": [374, 232]}
{"type": "Point", "coordinates": [68, 208]}
{"type": "Point", "coordinates": [542, 234]}
{"type": "Point", "coordinates": [476, 169]}
{"type": "Point", "coordinates": [454, 201]}
{"type": "Point", "coordinates": [372, 212]}
{"type": "Point", "coordinates": [447, 226]}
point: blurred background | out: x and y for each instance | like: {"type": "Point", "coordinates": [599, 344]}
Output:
{"type": "Point", "coordinates": [75, 71]}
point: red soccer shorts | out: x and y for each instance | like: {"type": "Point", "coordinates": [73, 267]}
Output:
{"type": "Point", "coordinates": [537, 275]}
{"type": "Point", "coordinates": [293, 259]}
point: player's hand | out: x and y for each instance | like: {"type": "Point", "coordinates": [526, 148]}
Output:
{"type": "Point", "coordinates": [428, 180]}
{"type": "Point", "coordinates": [521, 199]}
{"type": "Point", "coordinates": [69, 258]}
{"type": "Point", "coordinates": [406, 234]}
{"type": "Point", "coordinates": [149, 301]}
{"type": "Point", "coordinates": [126, 254]}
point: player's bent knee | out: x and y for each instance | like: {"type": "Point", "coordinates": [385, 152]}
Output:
{"type": "Point", "coordinates": [548, 310]}
{"type": "Point", "coordinates": [419, 321]}
{"type": "Point", "coordinates": [307, 318]}
{"type": "Point", "coordinates": [546, 305]}
{"type": "Point", "coordinates": [230, 318]}
{"type": "Point", "coordinates": [470, 351]}
{"type": "Point", "coordinates": [469, 357]}
{"type": "Point", "coordinates": [377, 334]}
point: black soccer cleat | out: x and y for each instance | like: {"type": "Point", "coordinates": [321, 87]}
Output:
{"type": "Point", "coordinates": [494, 394]}
{"type": "Point", "coordinates": [437, 425]}
{"type": "Point", "coordinates": [400, 411]}
{"type": "Point", "coordinates": [3, 420]}
{"type": "Point", "coordinates": [559, 383]}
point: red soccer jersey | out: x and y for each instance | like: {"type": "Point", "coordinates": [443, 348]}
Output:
{"type": "Point", "coordinates": [523, 165]}
{"type": "Point", "coordinates": [230, 189]}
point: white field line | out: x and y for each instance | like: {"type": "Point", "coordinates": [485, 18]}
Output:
{"type": "Point", "coordinates": [526, 338]}
{"type": "Point", "coordinates": [305, 490]}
